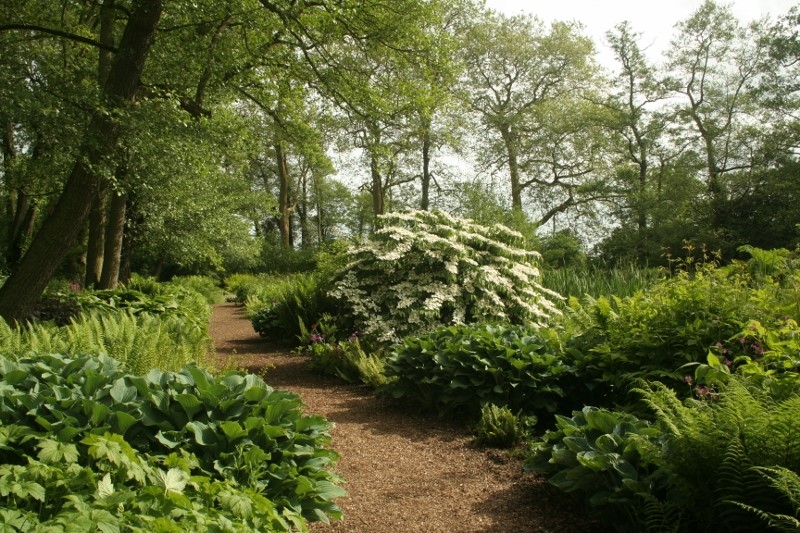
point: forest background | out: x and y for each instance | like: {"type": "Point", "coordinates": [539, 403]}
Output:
{"type": "Point", "coordinates": [217, 136]}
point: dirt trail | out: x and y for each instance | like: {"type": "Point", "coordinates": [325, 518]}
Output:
{"type": "Point", "coordinates": [406, 472]}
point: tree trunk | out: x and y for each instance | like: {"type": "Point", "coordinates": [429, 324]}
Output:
{"type": "Point", "coordinates": [283, 196]}
{"type": "Point", "coordinates": [59, 231]}
{"type": "Point", "coordinates": [302, 211]}
{"type": "Point", "coordinates": [510, 141]}
{"type": "Point", "coordinates": [97, 229]}
{"type": "Point", "coordinates": [377, 187]}
{"type": "Point", "coordinates": [97, 216]}
{"type": "Point", "coordinates": [115, 231]}
{"type": "Point", "coordinates": [426, 164]}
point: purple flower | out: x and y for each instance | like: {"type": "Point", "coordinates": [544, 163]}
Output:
{"type": "Point", "coordinates": [688, 379]}
{"type": "Point", "coordinates": [354, 336]}
{"type": "Point", "coordinates": [758, 348]}
{"type": "Point", "coordinates": [317, 338]}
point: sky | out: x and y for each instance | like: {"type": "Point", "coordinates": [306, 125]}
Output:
{"type": "Point", "coordinates": [654, 19]}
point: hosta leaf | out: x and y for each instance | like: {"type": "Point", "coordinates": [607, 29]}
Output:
{"type": "Point", "coordinates": [93, 382]}
{"type": "Point", "coordinates": [255, 394]}
{"type": "Point", "coordinates": [233, 430]}
{"type": "Point", "coordinates": [122, 421]}
{"type": "Point", "coordinates": [203, 433]}
{"type": "Point", "coordinates": [190, 403]}
{"type": "Point", "coordinates": [122, 392]}
{"type": "Point", "coordinates": [97, 411]}
{"type": "Point", "coordinates": [328, 491]}
{"type": "Point", "coordinates": [170, 439]}
{"type": "Point", "coordinates": [16, 376]}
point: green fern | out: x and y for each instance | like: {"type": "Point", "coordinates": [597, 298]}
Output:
{"type": "Point", "coordinates": [717, 445]}
{"type": "Point", "coordinates": [787, 484]}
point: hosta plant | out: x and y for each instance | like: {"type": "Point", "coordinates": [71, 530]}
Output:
{"type": "Point", "coordinates": [424, 269]}
{"type": "Point", "coordinates": [459, 369]}
{"type": "Point", "coordinates": [170, 451]}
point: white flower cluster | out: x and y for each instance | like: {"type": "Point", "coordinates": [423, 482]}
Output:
{"type": "Point", "coordinates": [423, 269]}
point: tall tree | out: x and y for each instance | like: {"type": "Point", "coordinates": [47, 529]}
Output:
{"type": "Point", "coordinates": [715, 66]}
{"type": "Point", "coordinates": [519, 75]}
{"type": "Point", "coordinates": [636, 122]}
{"type": "Point", "coordinates": [60, 230]}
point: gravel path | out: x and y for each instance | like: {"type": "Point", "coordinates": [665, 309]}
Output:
{"type": "Point", "coordinates": [405, 472]}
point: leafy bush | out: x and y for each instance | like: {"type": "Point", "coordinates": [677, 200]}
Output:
{"type": "Point", "coordinates": [139, 341]}
{"type": "Point", "coordinates": [459, 369]}
{"type": "Point", "coordinates": [345, 359]}
{"type": "Point", "coordinates": [499, 427]}
{"type": "Point", "coordinates": [282, 310]}
{"type": "Point", "coordinates": [609, 458]}
{"type": "Point", "coordinates": [84, 445]}
{"type": "Point", "coordinates": [654, 333]}
{"type": "Point", "coordinates": [700, 467]}
{"type": "Point", "coordinates": [424, 269]}
{"type": "Point", "coordinates": [165, 300]}
{"type": "Point", "coordinates": [204, 285]}
{"type": "Point", "coordinates": [242, 286]}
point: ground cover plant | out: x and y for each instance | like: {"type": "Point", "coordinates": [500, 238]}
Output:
{"type": "Point", "coordinates": [460, 369]}
{"type": "Point", "coordinates": [283, 308]}
{"type": "Point", "coordinates": [85, 445]}
{"type": "Point", "coordinates": [696, 465]}
{"type": "Point", "coordinates": [139, 342]}
{"type": "Point", "coordinates": [655, 333]}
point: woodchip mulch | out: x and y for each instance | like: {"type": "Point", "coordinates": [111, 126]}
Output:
{"type": "Point", "coordinates": [405, 472]}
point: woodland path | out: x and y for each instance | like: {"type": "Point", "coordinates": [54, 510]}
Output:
{"type": "Point", "coordinates": [405, 472]}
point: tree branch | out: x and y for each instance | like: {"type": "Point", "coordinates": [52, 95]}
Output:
{"type": "Point", "coordinates": [57, 33]}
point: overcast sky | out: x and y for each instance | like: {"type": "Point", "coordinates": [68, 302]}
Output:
{"type": "Point", "coordinates": [652, 18]}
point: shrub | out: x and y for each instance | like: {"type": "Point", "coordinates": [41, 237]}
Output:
{"type": "Point", "coordinates": [653, 334]}
{"type": "Point", "coordinates": [500, 428]}
{"type": "Point", "coordinates": [700, 467]}
{"type": "Point", "coordinates": [85, 445]}
{"type": "Point", "coordinates": [459, 369]}
{"type": "Point", "coordinates": [424, 269]}
{"type": "Point", "coordinates": [281, 310]}
{"type": "Point", "coordinates": [204, 285]}
{"type": "Point", "coordinates": [608, 458]}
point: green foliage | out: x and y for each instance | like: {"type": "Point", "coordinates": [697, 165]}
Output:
{"type": "Point", "coordinates": [619, 281]}
{"type": "Point", "coordinates": [787, 484]}
{"type": "Point", "coordinates": [459, 369]}
{"type": "Point", "coordinates": [714, 442]}
{"type": "Point", "coordinates": [424, 269]}
{"type": "Point", "coordinates": [82, 442]}
{"type": "Point", "coordinates": [345, 359]}
{"type": "Point", "coordinates": [654, 333]}
{"type": "Point", "coordinates": [162, 299]}
{"type": "Point", "coordinates": [242, 286]}
{"type": "Point", "coordinates": [281, 309]}
{"type": "Point", "coordinates": [700, 467]}
{"type": "Point", "coordinates": [139, 341]}
{"type": "Point", "coordinates": [501, 428]}
{"type": "Point", "coordinates": [204, 285]}
{"type": "Point", "coordinates": [562, 250]}
{"type": "Point", "coordinates": [609, 458]}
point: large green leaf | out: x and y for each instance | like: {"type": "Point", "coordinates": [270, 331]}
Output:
{"type": "Point", "coordinates": [122, 391]}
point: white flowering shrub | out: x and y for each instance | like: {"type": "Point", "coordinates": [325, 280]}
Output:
{"type": "Point", "coordinates": [423, 269]}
